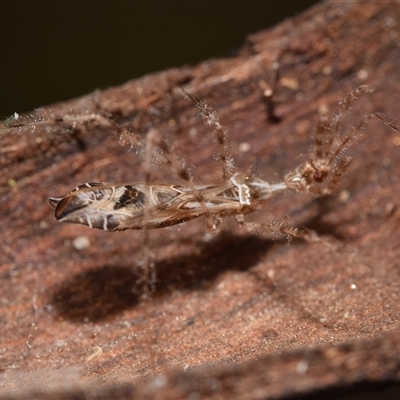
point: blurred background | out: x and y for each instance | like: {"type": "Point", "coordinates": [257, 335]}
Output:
{"type": "Point", "coordinates": [54, 51]}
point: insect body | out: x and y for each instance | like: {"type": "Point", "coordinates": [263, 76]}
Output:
{"type": "Point", "coordinates": [110, 206]}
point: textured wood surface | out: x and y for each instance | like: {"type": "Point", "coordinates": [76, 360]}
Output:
{"type": "Point", "coordinates": [237, 315]}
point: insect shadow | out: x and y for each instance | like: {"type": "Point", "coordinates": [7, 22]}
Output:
{"type": "Point", "coordinates": [105, 292]}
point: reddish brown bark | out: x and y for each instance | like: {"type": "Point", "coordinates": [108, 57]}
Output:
{"type": "Point", "coordinates": [272, 317]}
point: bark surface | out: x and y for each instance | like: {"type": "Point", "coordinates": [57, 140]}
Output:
{"type": "Point", "coordinates": [237, 315]}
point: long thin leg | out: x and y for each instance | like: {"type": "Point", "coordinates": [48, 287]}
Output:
{"type": "Point", "coordinates": [149, 271]}
{"type": "Point", "coordinates": [211, 118]}
{"type": "Point", "coordinates": [322, 173]}
{"type": "Point", "coordinates": [280, 229]}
